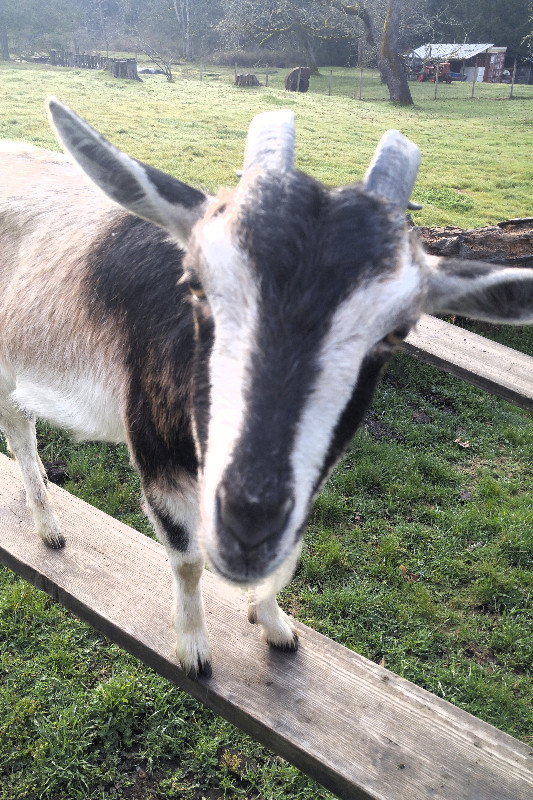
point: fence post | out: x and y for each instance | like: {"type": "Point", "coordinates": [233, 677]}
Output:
{"type": "Point", "coordinates": [329, 88]}
{"type": "Point", "coordinates": [266, 74]}
{"type": "Point", "coordinates": [474, 81]}
{"type": "Point", "coordinates": [201, 72]}
{"type": "Point", "coordinates": [235, 71]}
{"type": "Point", "coordinates": [436, 82]}
{"type": "Point", "coordinates": [513, 78]}
{"type": "Point", "coordinates": [298, 80]}
{"type": "Point", "coordinates": [361, 60]}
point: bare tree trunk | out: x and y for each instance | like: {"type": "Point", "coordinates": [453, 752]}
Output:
{"type": "Point", "coordinates": [4, 45]}
{"type": "Point", "coordinates": [187, 32]}
{"type": "Point", "coordinates": [103, 27]}
{"type": "Point", "coordinates": [362, 12]}
{"type": "Point", "coordinates": [307, 44]}
{"type": "Point", "coordinates": [181, 8]}
{"type": "Point", "coordinates": [164, 64]}
{"type": "Point", "coordinates": [390, 64]}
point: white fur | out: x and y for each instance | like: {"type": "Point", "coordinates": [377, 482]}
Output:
{"type": "Point", "coordinates": [361, 321]}
{"type": "Point", "coordinates": [81, 403]}
{"type": "Point", "coordinates": [233, 298]}
{"type": "Point", "coordinates": [188, 619]}
{"type": "Point", "coordinates": [263, 610]}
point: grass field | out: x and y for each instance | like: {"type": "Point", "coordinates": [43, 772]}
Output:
{"type": "Point", "coordinates": [419, 550]}
{"type": "Point", "coordinates": [475, 169]}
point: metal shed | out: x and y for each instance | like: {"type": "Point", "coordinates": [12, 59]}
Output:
{"type": "Point", "coordinates": [466, 58]}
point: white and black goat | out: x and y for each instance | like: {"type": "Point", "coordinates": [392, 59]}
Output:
{"type": "Point", "coordinates": [233, 342]}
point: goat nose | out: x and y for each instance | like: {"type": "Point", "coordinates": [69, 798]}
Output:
{"type": "Point", "coordinates": [251, 522]}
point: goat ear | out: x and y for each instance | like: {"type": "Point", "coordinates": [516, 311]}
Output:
{"type": "Point", "coordinates": [140, 189]}
{"type": "Point", "coordinates": [489, 292]}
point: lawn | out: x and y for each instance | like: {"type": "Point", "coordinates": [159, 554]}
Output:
{"type": "Point", "coordinates": [419, 550]}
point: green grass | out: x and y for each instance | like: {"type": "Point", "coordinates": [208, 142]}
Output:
{"type": "Point", "coordinates": [419, 551]}
{"type": "Point", "coordinates": [475, 166]}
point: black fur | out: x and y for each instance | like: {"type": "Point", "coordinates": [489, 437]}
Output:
{"type": "Point", "coordinates": [133, 276]}
{"type": "Point", "coordinates": [173, 190]}
{"type": "Point", "coordinates": [311, 248]}
{"type": "Point", "coordinates": [176, 534]}
{"type": "Point", "coordinates": [369, 376]}
{"type": "Point", "coordinates": [507, 297]}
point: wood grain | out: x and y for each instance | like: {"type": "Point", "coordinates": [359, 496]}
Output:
{"type": "Point", "coordinates": [358, 729]}
{"type": "Point", "coordinates": [485, 364]}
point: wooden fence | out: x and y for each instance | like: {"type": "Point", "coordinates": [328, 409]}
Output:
{"type": "Point", "coordinates": [58, 58]}
{"type": "Point", "coordinates": [360, 730]}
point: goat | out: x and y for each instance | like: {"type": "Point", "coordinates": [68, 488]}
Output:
{"type": "Point", "coordinates": [233, 342]}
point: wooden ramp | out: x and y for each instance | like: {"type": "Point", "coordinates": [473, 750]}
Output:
{"type": "Point", "coordinates": [358, 729]}
{"type": "Point", "coordinates": [486, 364]}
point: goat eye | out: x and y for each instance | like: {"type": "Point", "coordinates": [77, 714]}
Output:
{"type": "Point", "coordinates": [197, 291]}
{"type": "Point", "coordinates": [397, 335]}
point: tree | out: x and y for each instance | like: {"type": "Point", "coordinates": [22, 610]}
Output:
{"type": "Point", "coordinates": [4, 42]}
{"type": "Point", "coordinates": [178, 28]}
{"type": "Point", "coordinates": [27, 21]}
{"type": "Point", "coordinates": [528, 38]}
{"type": "Point", "coordinates": [183, 15]}
{"type": "Point", "coordinates": [11, 18]}
{"type": "Point", "coordinates": [284, 21]}
{"type": "Point", "coordinates": [502, 22]}
{"type": "Point", "coordinates": [385, 44]}
{"type": "Point", "coordinates": [308, 21]}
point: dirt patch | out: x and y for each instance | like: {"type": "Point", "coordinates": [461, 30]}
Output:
{"type": "Point", "coordinates": [379, 430]}
{"type": "Point", "coordinates": [439, 400]}
{"type": "Point", "coordinates": [481, 655]}
{"type": "Point", "coordinates": [56, 472]}
{"type": "Point", "coordinates": [509, 242]}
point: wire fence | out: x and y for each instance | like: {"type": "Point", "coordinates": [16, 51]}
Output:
{"type": "Point", "coordinates": [360, 84]}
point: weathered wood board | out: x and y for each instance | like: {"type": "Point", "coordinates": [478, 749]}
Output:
{"type": "Point", "coordinates": [486, 364]}
{"type": "Point", "coordinates": [358, 729]}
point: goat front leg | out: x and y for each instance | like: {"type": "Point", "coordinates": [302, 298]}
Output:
{"type": "Point", "coordinates": [174, 515]}
{"type": "Point", "coordinates": [22, 442]}
{"type": "Point", "coordinates": [277, 629]}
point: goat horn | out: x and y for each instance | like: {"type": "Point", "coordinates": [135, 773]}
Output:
{"type": "Point", "coordinates": [393, 169]}
{"type": "Point", "coordinates": [270, 142]}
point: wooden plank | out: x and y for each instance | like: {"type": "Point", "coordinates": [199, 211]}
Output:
{"type": "Point", "coordinates": [487, 365]}
{"type": "Point", "coordinates": [357, 728]}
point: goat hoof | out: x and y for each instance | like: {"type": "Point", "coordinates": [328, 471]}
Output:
{"type": "Point", "coordinates": [56, 544]}
{"type": "Point", "coordinates": [55, 541]}
{"type": "Point", "coordinates": [286, 647]}
{"type": "Point", "coordinates": [202, 669]}
{"type": "Point", "coordinates": [194, 655]}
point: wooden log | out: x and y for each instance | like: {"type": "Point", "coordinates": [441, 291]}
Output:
{"type": "Point", "coordinates": [358, 729]}
{"type": "Point", "coordinates": [124, 68]}
{"type": "Point", "coordinates": [509, 242]}
{"type": "Point", "coordinates": [246, 79]}
{"type": "Point", "coordinates": [297, 80]}
{"type": "Point", "coordinates": [477, 360]}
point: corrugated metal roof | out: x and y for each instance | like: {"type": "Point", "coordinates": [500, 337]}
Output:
{"type": "Point", "coordinates": [446, 51]}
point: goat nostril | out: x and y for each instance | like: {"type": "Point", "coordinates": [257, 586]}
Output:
{"type": "Point", "coordinates": [251, 522]}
